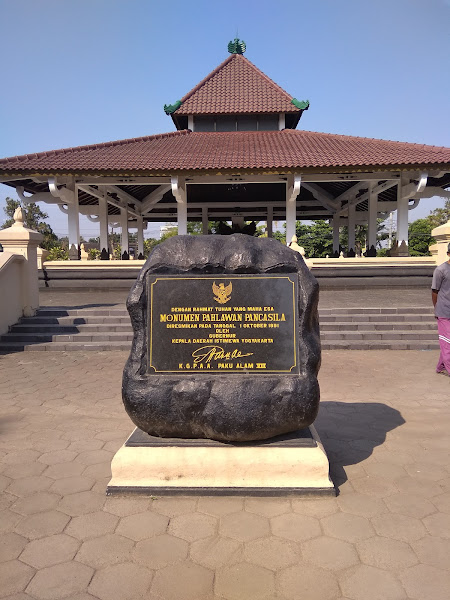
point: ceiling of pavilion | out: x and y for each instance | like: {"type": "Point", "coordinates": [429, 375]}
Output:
{"type": "Point", "coordinates": [248, 199]}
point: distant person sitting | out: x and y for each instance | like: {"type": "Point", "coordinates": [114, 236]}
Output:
{"type": "Point", "coordinates": [440, 294]}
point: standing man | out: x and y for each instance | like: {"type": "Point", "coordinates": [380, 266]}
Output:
{"type": "Point", "coordinates": [440, 294]}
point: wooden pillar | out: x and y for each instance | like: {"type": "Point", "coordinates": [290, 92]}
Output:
{"type": "Point", "coordinates": [372, 218]}
{"type": "Point", "coordinates": [103, 219]}
{"type": "Point", "coordinates": [204, 220]}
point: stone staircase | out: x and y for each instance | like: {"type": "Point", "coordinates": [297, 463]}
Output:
{"type": "Point", "coordinates": [109, 328]}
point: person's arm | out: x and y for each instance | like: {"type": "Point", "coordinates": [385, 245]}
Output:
{"type": "Point", "coordinates": [434, 296]}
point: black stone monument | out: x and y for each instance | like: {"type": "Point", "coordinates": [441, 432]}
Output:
{"type": "Point", "coordinates": [226, 340]}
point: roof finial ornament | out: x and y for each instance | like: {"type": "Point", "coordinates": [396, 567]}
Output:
{"type": "Point", "coordinates": [237, 46]}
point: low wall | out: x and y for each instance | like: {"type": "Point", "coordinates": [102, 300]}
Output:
{"type": "Point", "coordinates": [11, 295]}
{"type": "Point", "coordinates": [331, 273]}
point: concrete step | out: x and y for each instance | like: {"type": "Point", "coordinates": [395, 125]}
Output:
{"type": "Point", "coordinates": [64, 329]}
{"type": "Point", "coordinates": [109, 328]}
{"type": "Point", "coordinates": [75, 312]}
{"type": "Point", "coordinates": [381, 335]}
{"type": "Point", "coordinates": [80, 320]}
{"type": "Point", "coordinates": [61, 347]}
{"type": "Point", "coordinates": [370, 318]}
{"type": "Point", "coordinates": [380, 345]}
{"type": "Point", "coordinates": [374, 326]}
{"type": "Point", "coordinates": [377, 311]}
{"type": "Point", "coordinates": [78, 337]}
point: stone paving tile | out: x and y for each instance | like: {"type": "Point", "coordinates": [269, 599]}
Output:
{"type": "Point", "coordinates": [91, 525]}
{"type": "Point", "coordinates": [370, 583]}
{"type": "Point", "coordinates": [244, 526]}
{"type": "Point", "coordinates": [142, 525]}
{"type": "Point", "coordinates": [105, 550]}
{"type": "Point", "coordinates": [424, 581]}
{"type": "Point", "coordinates": [295, 527]}
{"type": "Point", "coordinates": [192, 526]}
{"type": "Point", "coordinates": [59, 581]}
{"type": "Point", "coordinates": [219, 506]}
{"type": "Point", "coordinates": [329, 553]}
{"type": "Point", "coordinates": [385, 535]}
{"type": "Point", "coordinates": [308, 581]}
{"type": "Point", "coordinates": [160, 551]}
{"type": "Point", "coordinates": [81, 503]}
{"type": "Point", "coordinates": [49, 551]}
{"type": "Point", "coordinates": [14, 577]}
{"type": "Point", "coordinates": [272, 553]}
{"type": "Point", "coordinates": [214, 552]}
{"type": "Point", "coordinates": [386, 553]}
{"type": "Point", "coordinates": [183, 580]}
{"type": "Point", "coordinates": [11, 545]}
{"type": "Point", "coordinates": [244, 582]}
{"type": "Point", "coordinates": [42, 524]}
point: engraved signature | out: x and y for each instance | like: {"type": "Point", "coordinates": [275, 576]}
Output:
{"type": "Point", "coordinates": [208, 353]}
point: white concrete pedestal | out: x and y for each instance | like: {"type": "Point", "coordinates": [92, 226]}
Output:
{"type": "Point", "coordinates": [291, 464]}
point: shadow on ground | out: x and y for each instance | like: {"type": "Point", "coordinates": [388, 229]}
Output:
{"type": "Point", "coordinates": [350, 431]}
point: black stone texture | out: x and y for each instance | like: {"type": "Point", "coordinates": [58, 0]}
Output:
{"type": "Point", "coordinates": [224, 407]}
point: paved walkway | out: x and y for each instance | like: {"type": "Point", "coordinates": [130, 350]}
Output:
{"type": "Point", "coordinates": [384, 419]}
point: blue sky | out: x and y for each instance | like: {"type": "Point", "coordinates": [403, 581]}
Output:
{"type": "Point", "coordinates": [83, 71]}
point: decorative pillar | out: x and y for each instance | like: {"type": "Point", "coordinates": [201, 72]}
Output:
{"type": "Point", "coordinates": [402, 224]}
{"type": "Point", "coordinates": [372, 222]}
{"type": "Point", "coordinates": [140, 235]}
{"type": "Point", "coordinates": [103, 218]}
{"type": "Point", "coordinates": [182, 218]}
{"type": "Point", "coordinates": [124, 232]}
{"type": "Point", "coordinates": [73, 215]}
{"type": "Point", "coordinates": [351, 229]}
{"type": "Point", "coordinates": [336, 220]}
{"type": "Point", "coordinates": [204, 220]}
{"type": "Point", "coordinates": [292, 191]}
{"type": "Point", "coordinates": [179, 192]}
{"type": "Point", "coordinates": [270, 221]}
{"type": "Point", "coordinates": [17, 239]}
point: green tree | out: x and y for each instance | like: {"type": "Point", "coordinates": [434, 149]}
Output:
{"type": "Point", "coordinates": [439, 216]}
{"type": "Point", "coordinates": [33, 219]}
{"type": "Point", "coordinates": [420, 238]}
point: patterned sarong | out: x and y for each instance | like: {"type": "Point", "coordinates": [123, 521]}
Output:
{"type": "Point", "coordinates": [444, 342]}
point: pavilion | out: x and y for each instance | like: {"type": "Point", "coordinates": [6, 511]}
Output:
{"type": "Point", "coordinates": [236, 155]}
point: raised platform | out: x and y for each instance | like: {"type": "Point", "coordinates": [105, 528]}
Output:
{"type": "Point", "coordinates": [294, 463]}
{"type": "Point", "coordinates": [334, 273]}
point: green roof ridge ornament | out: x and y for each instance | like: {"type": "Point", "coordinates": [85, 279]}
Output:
{"type": "Point", "coordinates": [301, 104]}
{"type": "Point", "coordinates": [237, 46]}
{"type": "Point", "coordinates": [171, 108]}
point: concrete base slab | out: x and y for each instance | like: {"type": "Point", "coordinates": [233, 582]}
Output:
{"type": "Point", "coordinates": [295, 463]}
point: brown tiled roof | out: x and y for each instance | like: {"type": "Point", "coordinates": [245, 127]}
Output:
{"type": "Point", "coordinates": [236, 86]}
{"type": "Point", "coordinates": [189, 151]}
